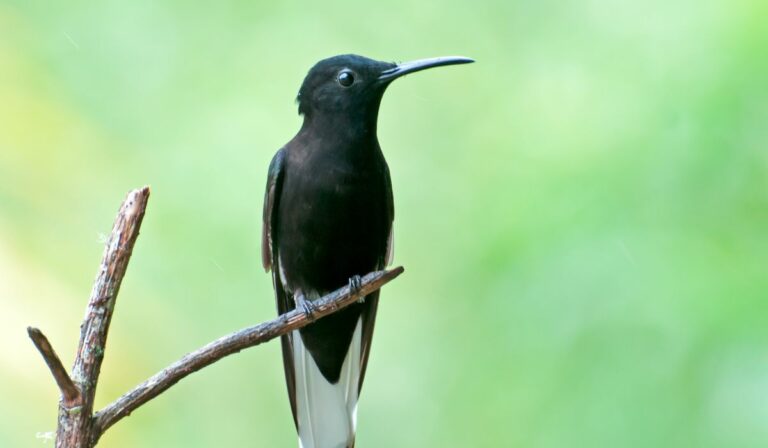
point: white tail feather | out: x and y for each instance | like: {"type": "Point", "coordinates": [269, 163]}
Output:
{"type": "Point", "coordinates": [326, 413]}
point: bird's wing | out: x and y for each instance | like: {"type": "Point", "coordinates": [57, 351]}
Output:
{"type": "Point", "coordinates": [372, 300]}
{"type": "Point", "coordinates": [390, 254]}
{"type": "Point", "coordinates": [269, 259]}
{"type": "Point", "coordinates": [368, 317]}
{"type": "Point", "coordinates": [274, 184]}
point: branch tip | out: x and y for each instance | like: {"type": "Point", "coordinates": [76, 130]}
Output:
{"type": "Point", "coordinates": [70, 394]}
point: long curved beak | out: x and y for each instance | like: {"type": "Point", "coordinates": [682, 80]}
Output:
{"type": "Point", "coordinates": [422, 64]}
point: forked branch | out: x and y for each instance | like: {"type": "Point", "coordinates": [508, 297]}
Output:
{"type": "Point", "coordinates": [78, 426]}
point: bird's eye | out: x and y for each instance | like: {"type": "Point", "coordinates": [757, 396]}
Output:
{"type": "Point", "coordinates": [346, 78]}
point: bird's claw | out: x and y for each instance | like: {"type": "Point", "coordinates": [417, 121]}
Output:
{"type": "Point", "coordinates": [355, 285]}
{"type": "Point", "coordinates": [306, 306]}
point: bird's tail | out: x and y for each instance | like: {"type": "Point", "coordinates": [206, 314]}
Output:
{"type": "Point", "coordinates": [326, 413]}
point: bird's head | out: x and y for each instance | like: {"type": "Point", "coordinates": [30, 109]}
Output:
{"type": "Point", "coordinates": [351, 86]}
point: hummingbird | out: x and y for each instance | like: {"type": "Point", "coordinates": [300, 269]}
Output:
{"type": "Point", "coordinates": [328, 215]}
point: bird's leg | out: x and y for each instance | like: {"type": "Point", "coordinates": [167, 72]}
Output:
{"type": "Point", "coordinates": [355, 284]}
{"type": "Point", "coordinates": [306, 305]}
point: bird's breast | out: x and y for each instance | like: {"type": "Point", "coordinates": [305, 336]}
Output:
{"type": "Point", "coordinates": [332, 222]}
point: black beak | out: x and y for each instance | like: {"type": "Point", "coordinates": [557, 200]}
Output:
{"type": "Point", "coordinates": [421, 64]}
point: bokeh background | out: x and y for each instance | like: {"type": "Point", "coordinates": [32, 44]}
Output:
{"type": "Point", "coordinates": [583, 215]}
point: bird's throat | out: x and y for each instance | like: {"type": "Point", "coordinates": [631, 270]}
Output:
{"type": "Point", "coordinates": [341, 130]}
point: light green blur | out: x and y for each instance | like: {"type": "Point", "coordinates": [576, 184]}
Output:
{"type": "Point", "coordinates": [582, 215]}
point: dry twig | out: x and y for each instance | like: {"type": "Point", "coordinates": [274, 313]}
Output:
{"type": "Point", "coordinates": [78, 426]}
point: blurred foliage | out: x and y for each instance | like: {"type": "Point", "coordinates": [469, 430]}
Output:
{"type": "Point", "coordinates": [582, 215]}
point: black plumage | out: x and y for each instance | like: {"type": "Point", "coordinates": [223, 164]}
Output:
{"type": "Point", "coordinates": [328, 214]}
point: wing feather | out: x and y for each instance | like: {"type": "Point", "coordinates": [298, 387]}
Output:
{"type": "Point", "coordinates": [372, 300]}
{"type": "Point", "coordinates": [271, 261]}
{"type": "Point", "coordinates": [274, 183]}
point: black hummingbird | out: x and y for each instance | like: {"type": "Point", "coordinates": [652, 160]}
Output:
{"type": "Point", "coordinates": [328, 213]}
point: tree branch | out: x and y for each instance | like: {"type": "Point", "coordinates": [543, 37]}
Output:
{"type": "Point", "coordinates": [78, 427]}
{"type": "Point", "coordinates": [235, 342]}
{"type": "Point", "coordinates": [75, 423]}
{"type": "Point", "coordinates": [69, 394]}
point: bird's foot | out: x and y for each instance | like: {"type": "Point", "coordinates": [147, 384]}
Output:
{"type": "Point", "coordinates": [306, 306]}
{"type": "Point", "coordinates": [355, 285]}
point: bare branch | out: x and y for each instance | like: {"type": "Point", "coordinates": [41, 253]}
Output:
{"type": "Point", "coordinates": [78, 427]}
{"type": "Point", "coordinates": [70, 396]}
{"type": "Point", "coordinates": [235, 342]}
{"type": "Point", "coordinates": [75, 424]}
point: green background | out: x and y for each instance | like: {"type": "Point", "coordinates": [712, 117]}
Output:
{"type": "Point", "coordinates": [582, 214]}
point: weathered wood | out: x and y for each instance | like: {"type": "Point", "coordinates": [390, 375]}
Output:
{"type": "Point", "coordinates": [78, 427]}
{"type": "Point", "coordinates": [235, 342]}
{"type": "Point", "coordinates": [70, 395]}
